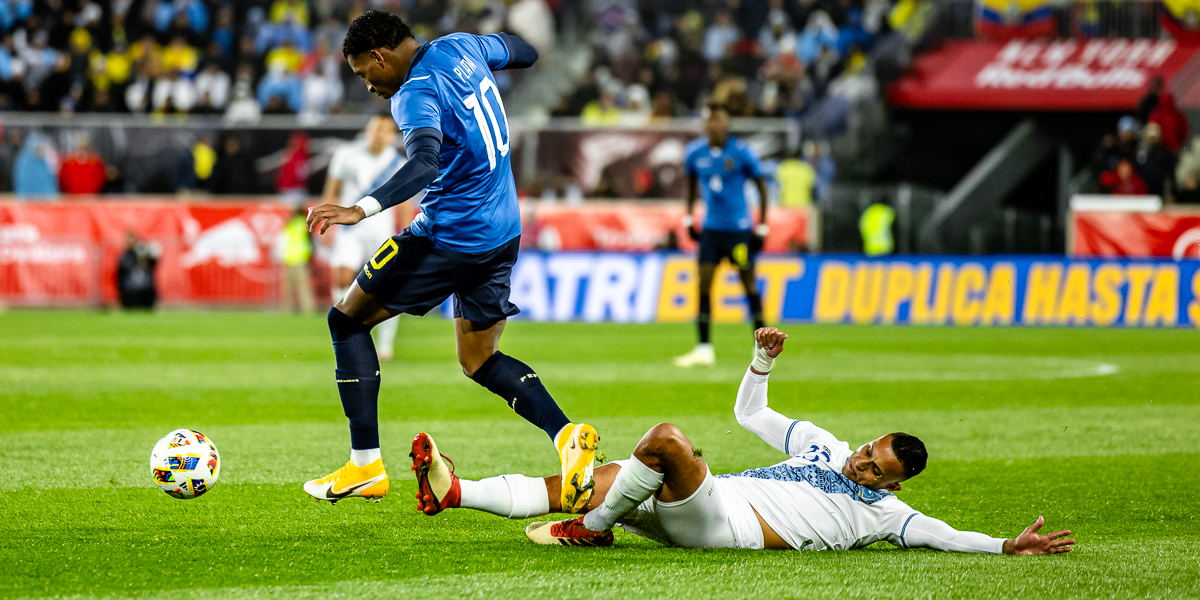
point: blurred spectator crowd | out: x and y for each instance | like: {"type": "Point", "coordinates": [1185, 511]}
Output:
{"type": "Point", "coordinates": [1151, 152]}
{"type": "Point", "coordinates": [242, 59]}
{"type": "Point", "coordinates": [773, 58]}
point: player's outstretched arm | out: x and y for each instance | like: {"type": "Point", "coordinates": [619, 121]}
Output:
{"type": "Point", "coordinates": [921, 531]}
{"type": "Point", "coordinates": [751, 406]}
{"type": "Point", "coordinates": [423, 147]}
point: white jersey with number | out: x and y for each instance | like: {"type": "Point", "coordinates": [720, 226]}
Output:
{"type": "Point", "coordinates": [810, 504]}
{"type": "Point", "coordinates": [361, 172]}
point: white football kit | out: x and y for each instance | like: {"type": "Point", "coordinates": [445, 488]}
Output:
{"type": "Point", "coordinates": [805, 499]}
{"type": "Point", "coordinates": [361, 172]}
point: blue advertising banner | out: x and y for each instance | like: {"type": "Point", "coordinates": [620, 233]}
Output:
{"type": "Point", "coordinates": [916, 290]}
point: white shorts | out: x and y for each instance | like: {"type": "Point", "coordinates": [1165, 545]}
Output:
{"type": "Point", "coordinates": [356, 244]}
{"type": "Point", "coordinates": [712, 517]}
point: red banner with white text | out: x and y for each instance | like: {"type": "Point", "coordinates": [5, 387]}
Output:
{"type": "Point", "coordinates": [209, 252]}
{"type": "Point", "coordinates": [222, 252]}
{"type": "Point", "coordinates": [1135, 234]}
{"type": "Point", "coordinates": [1065, 74]}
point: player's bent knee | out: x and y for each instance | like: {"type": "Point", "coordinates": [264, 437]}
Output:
{"type": "Point", "coordinates": [664, 441]}
{"type": "Point", "coordinates": [471, 363]}
{"type": "Point", "coordinates": [341, 325]}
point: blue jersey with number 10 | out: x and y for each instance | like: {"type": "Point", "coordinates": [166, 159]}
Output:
{"type": "Point", "coordinates": [472, 205]}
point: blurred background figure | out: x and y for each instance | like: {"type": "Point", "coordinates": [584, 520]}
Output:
{"type": "Point", "coordinates": [35, 173]}
{"type": "Point", "coordinates": [294, 251]}
{"type": "Point", "coordinates": [83, 172]}
{"type": "Point", "coordinates": [135, 274]}
{"type": "Point", "coordinates": [234, 172]}
{"type": "Point", "coordinates": [355, 170]}
{"type": "Point", "coordinates": [292, 181]}
{"type": "Point", "coordinates": [876, 228]}
{"type": "Point", "coordinates": [1123, 180]}
{"type": "Point", "coordinates": [195, 172]}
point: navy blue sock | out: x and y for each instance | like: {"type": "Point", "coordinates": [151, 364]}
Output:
{"type": "Point", "coordinates": [521, 387]}
{"type": "Point", "coordinates": [756, 310]}
{"type": "Point", "coordinates": [357, 378]}
{"type": "Point", "coordinates": [705, 317]}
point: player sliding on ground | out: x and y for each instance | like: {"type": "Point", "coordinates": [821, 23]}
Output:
{"type": "Point", "coordinates": [463, 244]}
{"type": "Point", "coordinates": [824, 497]}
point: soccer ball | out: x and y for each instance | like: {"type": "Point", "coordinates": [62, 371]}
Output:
{"type": "Point", "coordinates": [185, 464]}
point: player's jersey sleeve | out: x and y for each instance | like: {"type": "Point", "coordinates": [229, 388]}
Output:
{"type": "Point", "coordinates": [805, 440]}
{"type": "Point", "coordinates": [751, 166]}
{"type": "Point", "coordinates": [416, 105]}
{"type": "Point", "coordinates": [494, 50]}
{"type": "Point", "coordinates": [919, 531]}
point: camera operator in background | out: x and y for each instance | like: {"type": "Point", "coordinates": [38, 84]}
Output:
{"type": "Point", "coordinates": [135, 274]}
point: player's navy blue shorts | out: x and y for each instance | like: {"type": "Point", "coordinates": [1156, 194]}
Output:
{"type": "Point", "coordinates": [737, 246]}
{"type": "Point", "coordinates": [409, 274]}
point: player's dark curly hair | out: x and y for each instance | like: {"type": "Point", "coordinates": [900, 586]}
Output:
{"type": "Point", "coordinates": [910, 451]}
{"type": "Point", "coordinates": [374, 29]}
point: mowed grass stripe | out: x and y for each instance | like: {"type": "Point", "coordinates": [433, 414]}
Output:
{"type": "Point", "coordinates": [293, 452]}
{"type": "Point", "coordinates": [834, 366]}
{"type": "Point", "coordinates": [864, 575]}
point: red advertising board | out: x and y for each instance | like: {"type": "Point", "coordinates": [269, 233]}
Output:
{"type": "Point", "coordinates": [222, 252]}
{"type": "Point", "coordinates": [642, 226]}
{"type": "Point", "coordinates": [1135, 234]}
{"type": "Point", "coordinates": [210, 252]}
{"type": "Point", "coordinates": [1065, 74]}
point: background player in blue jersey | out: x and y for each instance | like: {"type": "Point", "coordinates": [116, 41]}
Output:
{"type": "Point", "coordinates": [463, 244]}
{"type": "Point", "coordinates": [720, 164]}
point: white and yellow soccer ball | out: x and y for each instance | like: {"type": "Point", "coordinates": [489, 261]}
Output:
{"type": "Point", "coordinates": [185, 464]}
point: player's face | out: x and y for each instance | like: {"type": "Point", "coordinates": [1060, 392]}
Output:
{"type": "Point", "coordinates": [380, 133]}
{"type": "Point", "coordinates": [717, 124]}
{"type": "Point", "coordinates": [875, 466]}
{"type": "Point", "coordinates": [381, 79]}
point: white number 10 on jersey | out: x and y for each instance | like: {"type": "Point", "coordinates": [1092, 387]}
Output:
{"type": "Point", "coordinates": [473, 102]}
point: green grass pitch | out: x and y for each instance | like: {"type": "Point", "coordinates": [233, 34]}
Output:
{"type": "Point", "coordinates": [1098, 430]}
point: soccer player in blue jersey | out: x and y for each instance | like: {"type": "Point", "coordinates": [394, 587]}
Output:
{"type": "Point", "coordinates": [719, 164]}
{"type": "Point", "coordinates": [463, 243]}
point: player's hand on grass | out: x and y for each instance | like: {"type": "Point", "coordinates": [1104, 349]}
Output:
{"type": "Point", "coordinates": [332, 214]}
{"type": "Point", "coordinates": [771, 340]}
{"type": "Point", "coordinates": [1029, 542]}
